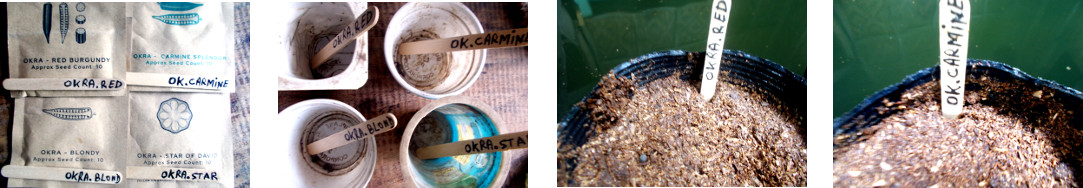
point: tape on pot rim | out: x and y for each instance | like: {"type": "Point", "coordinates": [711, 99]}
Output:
{"type": "Point", "coordinates": [452, 72]}
{"type": "Point", "coordinates": [775, 80]}
{"type": "Point", "coordinates": [865, 114]}
{"type": "Point", "coordinates": [304, 169]}
{"type": "Point", "coordinates": [299, 44]}
{"type": "Point", "coordinates": [474, 112]}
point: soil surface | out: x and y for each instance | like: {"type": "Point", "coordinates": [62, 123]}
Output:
{"type": "Point", "coordinates": [664, 134]}
{"type": "Point", "coordinates": [1010, 134]}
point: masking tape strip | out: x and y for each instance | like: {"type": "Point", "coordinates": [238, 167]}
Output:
{"type": "Point", "coordinates": [182, 81]}
{"type": "Point", "coordinates": [28, 84]}
{"type": "Point", "coordinates": [62, 174]}
{"type": "Point", "coordinates": [172, 174]}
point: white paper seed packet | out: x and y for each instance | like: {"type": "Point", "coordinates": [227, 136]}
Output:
{"type": "Point", "coordinates": [182, 45]}
{"type": "Point", "coordinates": [91, 109]}
{"type": "Point", "coordinates": [182, 56]}
{"type": "Point", "coordinates": [180, 139]}
{"type": "Point", "coordinates": [67, 48]}
{"type": "Point", "coordinates": [71, 136]}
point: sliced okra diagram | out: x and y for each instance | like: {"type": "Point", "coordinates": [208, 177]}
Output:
{"type": "Point", "coordinates": [80, 33]}
{"type": "Point", "coordinates": [174, 115]}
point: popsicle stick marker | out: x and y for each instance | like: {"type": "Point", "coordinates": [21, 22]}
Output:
{"type": "Point", "coordinates": [363, 23]}
{"type": "Point", "coordinates": [377, 125]}
{"type": "Point", "coordinates": [503, 142]}
{"type": "Point", "coordinates": [62, 174]}
{"type": "Point", "coordinates": [954, 37]}
{"type": "Point", "coordinates": [496, 39]}
{"type": "Point", "coordinates": [716, 37]}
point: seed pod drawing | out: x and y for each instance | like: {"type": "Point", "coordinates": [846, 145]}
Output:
{"type": "Point", "coordinates": [174, 115]}
{"type": "Point", "coordinates": [80, 19]}
{"type": "Point", "coordinates": [47, 19]}
{"type": "Point", "coordinates": [179, 19]}
{"type": "Point", "coordinates": [63, 21]}
{"type": "Point", "coordinates": [178, 6]}
{"type": "Point", "coordinates": [80, 35]}
{"type": "Point", "coordinates": [71, 114]}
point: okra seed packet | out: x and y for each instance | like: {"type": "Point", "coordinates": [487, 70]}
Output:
{"type": "Point", "coordinates": [169, 127]}
{"type": "Point", "coordinates": [65, 41]}
{"type": "Point", "coordinates": [180, 114]}
{"type": "Point", "coordinates": [77, 133]}
{"type": "Point", "coordinates": [190, 43]}
{"type": "Point", "coordinates": [185, 136]}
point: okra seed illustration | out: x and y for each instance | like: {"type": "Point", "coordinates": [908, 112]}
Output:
{"type": "Point", "coordinates": [47, 19]}
{"type": "Point", "coordinates": [178, 6]}
{"type": "Point", "coordinates": [80, 35]}
{"type": "Point", "coordinates": [174, 115]}
{"type": "Point", "coordinates": [80, 19]}
{"type": "Point", "coordinates": [179, 19]}
{"type": "Point", "coordinates": [63, 21]}
{"type": "Point", "coordinates": [70, 113]}
{"type": "Point", "coordinates": [80, 7]}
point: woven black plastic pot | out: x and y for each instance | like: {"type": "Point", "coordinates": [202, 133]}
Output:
{"type": "Point", "coordinates": [866, 113]}
{"type": "Point", "coordinates": [746, 70]}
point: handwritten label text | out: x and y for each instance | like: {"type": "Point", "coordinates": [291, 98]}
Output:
{"type": "Point", "coordinates": [954, 28]}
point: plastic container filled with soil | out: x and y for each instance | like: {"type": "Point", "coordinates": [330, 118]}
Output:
{"type": "Point", "coordinates": [645, 124]}
{"type": "Point", "coordinates": [1015, 131]}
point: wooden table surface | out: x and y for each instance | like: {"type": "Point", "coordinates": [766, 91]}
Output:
{"type": "Point", "coordinates": [502, 85]}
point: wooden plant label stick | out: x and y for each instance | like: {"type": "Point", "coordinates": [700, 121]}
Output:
{"type": "Point", "coordinates": [496, 143]}
{"type": "Point", "coordinates": [62, 174]}
{"type": "Point", "coordinates": [954, 31]}
{"type": "Point", "coordinates": [23, 84]}
{"type": "Point", "coordinates": [363, 23]}
{"type": "Point", "coordinates": [496, 39]}
{"type": "Point", "coordinates": [171, 174]}
{"type": "Point", "coordinates": [377, 125]}
{"type": "Point", "coordinates": [716, 37]}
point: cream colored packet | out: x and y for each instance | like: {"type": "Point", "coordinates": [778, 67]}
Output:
{"type": "Point", "coordinates": [180, 139]}
{"type": "Point", "coordinates": [67, 48]}
{"type": "Point", "coordinates": [182, 45]}
{"type": "Point", "coordinates": [74, 133]}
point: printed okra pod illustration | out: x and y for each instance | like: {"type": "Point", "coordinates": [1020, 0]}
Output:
{"type": "Point", "coordinates": [63, 8]}
{"type": "Point", "coordinates": [83, 113]}
{"type": "Point", "coordinates": [178, 6]}
{"type": "Point", "coordinates": [179, 19]}
{"type": "Point", "coordinates": [47, 19]}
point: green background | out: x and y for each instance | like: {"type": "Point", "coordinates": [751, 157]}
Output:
{"type": "Point", "coordinates": [596, 35]}
{"type": "Point", "coordinates": [878, 43]}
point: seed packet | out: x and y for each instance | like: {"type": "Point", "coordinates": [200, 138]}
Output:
{"type": "Point", "coordinates": [86, 133]}
{"type": "Point", "coordinates": [67, 48]}
{"type": "Point", "coordinates": [180, 139]}
{"type": "Point", "coordinates": [182, 44]}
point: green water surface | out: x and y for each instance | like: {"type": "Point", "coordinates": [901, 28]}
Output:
{"type": "Point", "coordinates": [596, 35]}
{"type": "Point", "coordinates": [878, 43]}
